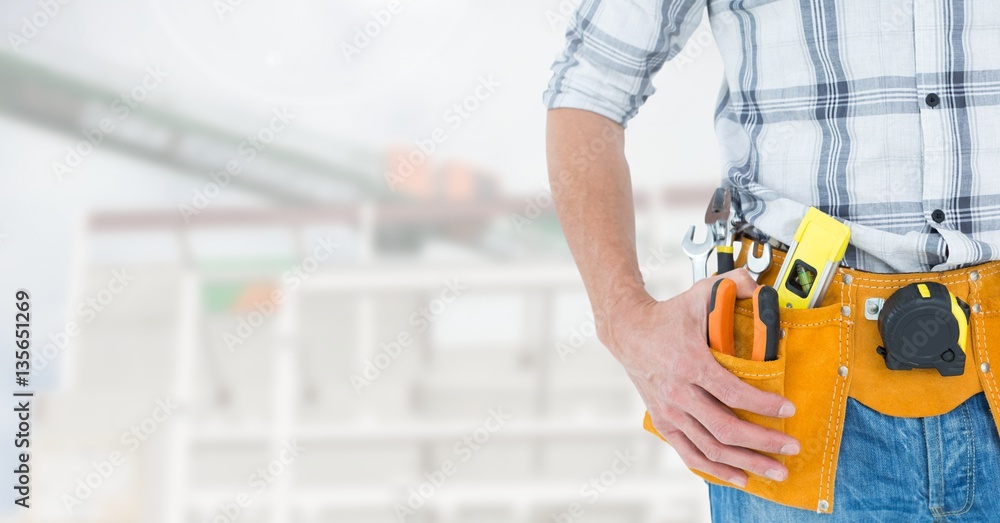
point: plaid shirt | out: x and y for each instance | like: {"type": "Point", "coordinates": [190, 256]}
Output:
{"type": "Point", "coordinates": [885, 114]}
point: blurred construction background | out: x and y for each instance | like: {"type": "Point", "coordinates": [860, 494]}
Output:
{"type": "Point", "coordinates": [298, 262]}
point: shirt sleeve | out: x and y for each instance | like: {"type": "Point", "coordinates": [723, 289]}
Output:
{"type": "Point", "coordinates": [613, 50]}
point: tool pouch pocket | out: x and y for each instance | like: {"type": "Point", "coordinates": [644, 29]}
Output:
{"type": "Point", "coordinates": [768, 376]}
{"type": "Point", "coordinates": [810, 352]}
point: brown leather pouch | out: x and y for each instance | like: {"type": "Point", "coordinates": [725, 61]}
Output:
{"type": "Point", "coordinates": [828, 354]}
{"type": "Point", "coordinates": [810, 342]}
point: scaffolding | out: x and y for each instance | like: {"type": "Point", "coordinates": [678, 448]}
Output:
{"type": "Point", "coordinates": [572, 411]}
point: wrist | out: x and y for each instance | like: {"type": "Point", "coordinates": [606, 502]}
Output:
{"type": "Point", "coordinates": [616, 311]}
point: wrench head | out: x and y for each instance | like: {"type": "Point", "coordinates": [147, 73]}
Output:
{"type": "Point", "coordinates": [696, 250]}
{"type": "Point", "coordinates": [758, 264]}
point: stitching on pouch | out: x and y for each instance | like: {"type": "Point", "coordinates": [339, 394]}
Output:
{"type": "Point", "coordinates": [983, 354]}
{"type": "Point", "coordinates": [845, 347]}
{"type": "Point", "coordinates": [981, 349]}
{"type": "Point", "coordinates": [829, 421]}
{"type": "Point", "coordinates": [794, 324]}
{"type": "Point", "coordinates": [885, 287]}
{"type": "Point", "coordinates": [824, 322]}
{"type": "Point", "coordinates": [957, 278]}
{"type": "Point", "coordinates": [950, 279]}
{"type": "Point", "coordinates": [749, 375]}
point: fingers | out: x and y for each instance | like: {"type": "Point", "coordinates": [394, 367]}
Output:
{"type": "Point", "coordinates": [730, 430]}
{"type": "Point", "coordinates": [744, 283]}
{"type": "Point", "coordinates": [734, 456]}
{"type": "Point", "coordinates": [711, 439]}
{"type": "Point", "coordinates": [736, 394]}
{"type": "Point", "coordinates": [745, 286]}
{"type": "Point", "coordinates": [695, 459]}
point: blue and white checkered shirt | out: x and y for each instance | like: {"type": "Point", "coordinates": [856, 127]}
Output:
{"type": "Point", "coordinates": [885, 114]}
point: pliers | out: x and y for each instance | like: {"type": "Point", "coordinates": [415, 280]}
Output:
{"type": "Point", "coordinates": [722, 312]}
{"type": "Point", "coordinates": [721, 316]}
{"type": "Point", "coordinates": [719, 217]}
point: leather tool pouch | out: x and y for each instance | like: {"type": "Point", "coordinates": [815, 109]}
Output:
{"type": "Point", "coordinates": [811, 341]}
{"type": "Point", "coordinates": [829, 353]}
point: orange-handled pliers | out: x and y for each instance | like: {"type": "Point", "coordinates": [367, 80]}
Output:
{"type": "Point", "coordinates": [766, 326]}
{"type": "Point", "coordinates": [722, 312]}
{"type": "Point", "coordinates": [721, 316]}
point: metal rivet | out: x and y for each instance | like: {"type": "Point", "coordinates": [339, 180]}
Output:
{"type": "Point", "coordinates": [985, 368]}
{"type": "Point", "coordinates": [824, 505]}
{"type": "Point", "coordinates": [873, 306]}
{"type": "Point", "coordinates": [974, 275]}
{"type": "Point", "coordinates": [845, 310]}
{"type": "Point", "coordinates": [848, 279]}
{"type": "Point", "coordinates": [976, 308]}
{"type": "Point", "coordinates": [842, 371]}
{"type": "Point", "coordinates": [781, 334]}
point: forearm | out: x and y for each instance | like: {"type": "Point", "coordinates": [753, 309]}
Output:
{"type": "Point", "coordinates": [661, 345]}
{"type": "Point", "coordinates": [591, 185]}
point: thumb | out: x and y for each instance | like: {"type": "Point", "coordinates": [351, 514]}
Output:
{"type": "Point", "coordinates": [745, 286]}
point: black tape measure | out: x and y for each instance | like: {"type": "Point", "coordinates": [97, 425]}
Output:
{"type": "Point", "coordinates": [924, 326]}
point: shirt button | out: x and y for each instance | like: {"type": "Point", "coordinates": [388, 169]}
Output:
{"type": "Point", "coordinates": [937, 215]}
{"type": "Point", "coordinates": [933, 100]}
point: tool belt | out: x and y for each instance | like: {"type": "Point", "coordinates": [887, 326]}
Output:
{"type": "Point", "coordinates": [829, 353]}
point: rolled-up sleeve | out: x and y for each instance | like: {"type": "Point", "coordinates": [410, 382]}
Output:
{"type": "Point", "coordinates": [613, 50]}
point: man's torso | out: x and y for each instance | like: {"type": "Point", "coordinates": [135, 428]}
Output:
{"type": "Point", "coordinates": [883, 114]}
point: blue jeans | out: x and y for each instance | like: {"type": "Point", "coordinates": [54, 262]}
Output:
{"type": "Point", "coordinates": [935, 469]}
